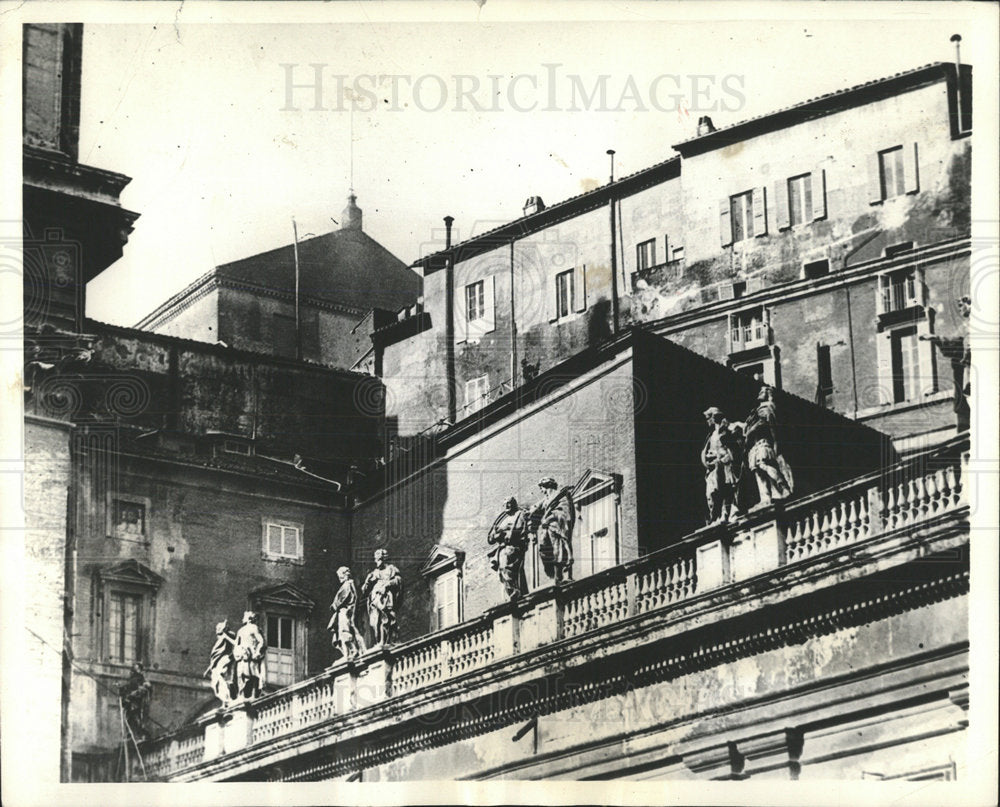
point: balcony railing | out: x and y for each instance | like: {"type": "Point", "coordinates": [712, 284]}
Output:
{"type": "Point", "coordinates": [916, 491]}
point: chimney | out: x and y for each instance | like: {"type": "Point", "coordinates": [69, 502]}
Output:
{"type": "Point", "coordinates": [705, 125]}
{"type": "Point", "coordinates": [350, 219]}
{"type": "Point", "coordinates": [533, 205]}
{"type": "Point", "coordinates": [448, 221]}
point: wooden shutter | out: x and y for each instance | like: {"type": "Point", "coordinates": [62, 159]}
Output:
{"type": "Point", "coordinates": [911, 171]}
{"type": "Point", "coordinates": [874, 179]}
{"type": "Point", "coordinates": [759, 211]}
{"type": "Point", "coordinates": [819, 193]}
{"type": "Point", "coordinates": [885, 381]}
{"type": "Point", "coordinates": [782, 220]}
{"type": "Point", "coordinates": [461, 311]}
{"type": "Point", "coordinates": [552, 292]}
{"type": "Point", "coordinates": [580, 288]}
{"type": "Point", "coordinates": [725, 223]}
{"type": "Point", "coordinates": [489, 304]}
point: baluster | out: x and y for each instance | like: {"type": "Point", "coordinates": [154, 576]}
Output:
{"type": "Point", "coordinates": [934, 493]}
{"type": "Point", "coordinates": [851, 533]}
{"type": "Point", "coordinates": [791, 540]}
{"type": "Point", "coordinates": [951, 482]}
{"type": "Point", "coordinates": [807, 536]}
{"type": "Point", "coordinates": [922, 496]}
{"type": "Point", "coordinates": [890, 508]}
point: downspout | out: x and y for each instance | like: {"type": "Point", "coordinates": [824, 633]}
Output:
{"type": "Point", "coordinates": [450, 379]}
{"type": "Point", "coordinates": [850, 322]}
{"type": "Point", "coordinates": [513, 324]}
{"type": "Point", "coordinates": [614, 248]}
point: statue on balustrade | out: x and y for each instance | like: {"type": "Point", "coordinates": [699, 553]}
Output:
{"type": "Point", "coordinates": [346, 636]}
{"type": "Point", "coordinates": [722, 457]}
{"type": "Point", "coordinates": [135, 695]}
{"type": "Point", "coordinates": [551, 523]}
{"type": "Point", "coordinates": [509, 538]}
{"type": "Point", "coordinates": [959, 355]}
{"type": "Point", "coordinates": [383, 592]}
{"type": "Point", "coordinates": [221, 664]}
{"type": "Point", "coordinates": [248, 650]}
{"type": "Point", "coordinates": [763, 458]}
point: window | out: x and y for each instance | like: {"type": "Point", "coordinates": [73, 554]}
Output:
{"type": "Point", "coordinates": [443, 572]}
{"type": "Point", "coordinates": [899, 290]}
{"type": "Point", "coordinates": [475, 301]}
{"type": "Point", "coordinates": [816, 269]}
{"type": "Point", "coordinates": [283, 614]}
{"type": "Point", "coordinates": [800, 205]}
{"type": "Point", "coordinates": [597, 496]}
{"type": "Point", "coordinates": [280, 639]}
{"type": "Point", "coordinates": [645, 254]}
{"type": "Point", "coordinates": [893, 172]}
{"type": "Point", "coordinates": [741, 213]}
{"type": "Point", "coordinates": [824, 375]}
{"type": "Point", "coordinates": [677, 254]}
{"type": "Point", "coordinates": [476, 391]}
{"type": "Point", "coordinates": [128, 518]}
{"type": "Point", "coordinates": [564, 294]}
{"type": "Point", "coordinates": [236, 447]}
{"type": "Point", "coordinates": [905, 365]}
{"type": "Point", "coordinates": [475, 310]}
{"type": "Point", "coordinates": [446, 600]}
{"type": "Point", "coordinates": [749, 329]}
{"type": "Point", "coordinates": [126, 601]}
{"type": "Point", "coordinates": [282, 540]}
{"type": "Point", "coordinates": [123, 627]}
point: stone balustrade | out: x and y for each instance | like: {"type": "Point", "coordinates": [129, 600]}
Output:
{"type": "Point", "coordinates": [919, 489]}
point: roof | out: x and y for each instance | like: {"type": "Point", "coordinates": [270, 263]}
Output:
{"type": "Point", "coordinates": [346, 267]}
{"type": "Point", "coordinates": [819, 106]}
{"type": "Point", "coordinates": [574, 205]}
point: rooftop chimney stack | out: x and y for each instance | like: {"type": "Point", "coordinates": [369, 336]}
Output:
{"type": "Point", "coordinates": [350, 219]}
{"type": "Point", "coordinates": [448, 221]}
{"type": "Point", "coordinates": [705, 125]}
{"type": "Point", "coordinates": [533, 205]}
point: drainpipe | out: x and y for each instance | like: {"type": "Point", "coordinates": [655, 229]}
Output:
{"type": "Point", "coordinates": [450, 324]}
{"type": "Point", "coordinates": [614, 248]}
{"type": "Point", "coordinates": [513, 324]}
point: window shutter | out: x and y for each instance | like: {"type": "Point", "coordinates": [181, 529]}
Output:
{"type": "Point", "coordinates": [885, 367]}
{"type": "Point", "coordinates": [725, 223]}
{"type": "Point", "coordinates": [782, 221]}
{"type": "Point", "coordinates": [819, 194]}
{"type": "Point", "coordinates": [552, 292]}
{"type": "Point", "coordinates": [461, 312]}
{"type": "Point", "coordinates": [911, 172]}
{"type": "Point", "coordinates": [489, 304]}
{"type": "Point", "coordinates": [726, 291]}
{"type": "Point", "coordinates": [580, 288]}
{"type": "Point", "coordinates": [759, 212]}
{"type": "Point", "coordinates": [874, 180]}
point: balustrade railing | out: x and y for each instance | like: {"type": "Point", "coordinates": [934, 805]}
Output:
{"type": "Point", "coordinates": [906, 494]}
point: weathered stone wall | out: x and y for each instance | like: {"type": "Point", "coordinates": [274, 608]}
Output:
{"type": "Point", "coordinates": [46, 491]}
{"type": "Point", "coordinates": [199, 321]}
{"type": "Point", "coordinates": [455, 501]}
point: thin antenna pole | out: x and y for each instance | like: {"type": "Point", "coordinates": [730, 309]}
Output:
{"type": "Point", "coordinates": [614, 249]}
{"type": "Point", "coordinates": [298, 339]}
{"type": "Point", "coordinates": [352, 145]}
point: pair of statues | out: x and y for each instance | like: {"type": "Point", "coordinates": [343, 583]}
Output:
{"type": "Point", "coordinates": [237, 661]}
{"type": "Point", "coordinates": [731, 448]}
{"type": "Point", "coordinates": [382, 592]}
{"type": "Point", "coordinates": [549, 522]}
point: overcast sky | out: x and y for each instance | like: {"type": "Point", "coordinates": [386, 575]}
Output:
{"type": "Point", "coordinates": [198, 116]}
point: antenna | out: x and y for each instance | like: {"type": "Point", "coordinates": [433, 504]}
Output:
{"type": "Point", "coordinates": [611, 154]}
{"type": "Point", "coordinates": [352, 144]}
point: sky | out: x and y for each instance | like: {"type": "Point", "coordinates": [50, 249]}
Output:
{"type": "Point", "coordinates": [468, 119]}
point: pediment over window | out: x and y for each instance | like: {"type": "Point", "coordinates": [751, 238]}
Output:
{"type": "Point", "coordinates": [595, 484]}
{"type": "Point", "coordinates": [132, 572]}
{"type": "Point", "coordinates": [441, 559]}
{"type": "Point", "coordinates": [284, 595]}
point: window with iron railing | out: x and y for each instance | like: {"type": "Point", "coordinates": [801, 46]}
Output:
{"type": "Point", "coordinates": [749, 329]}
{"type": "Point", "coordinates": [899, 290]}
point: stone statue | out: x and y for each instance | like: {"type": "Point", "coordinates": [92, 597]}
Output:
{"type": "Point", "coordinates": [959, 354]}
{"type": "Point", "coordinates": [774, 477]}
{"type": "Point", "coordinates": [551, 522]}
{"type": "Point", "coordinates": [383, 591]}
{"type": "Point", "coordinates": [722, 457]}
{"type": "Point", "coordinates": [346, 637]}
{"type": "Point", "coordinates": [135, 695]}
{"type": "Point", "coordinates": [509, 539]}
{"type": "Point", "coordinates": [248, 650]}
{"type": "Point", "coordinates": [221, 665]}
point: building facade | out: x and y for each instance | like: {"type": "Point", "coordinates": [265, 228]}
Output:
{"type": "Point", "coordinates": [821, 636]}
